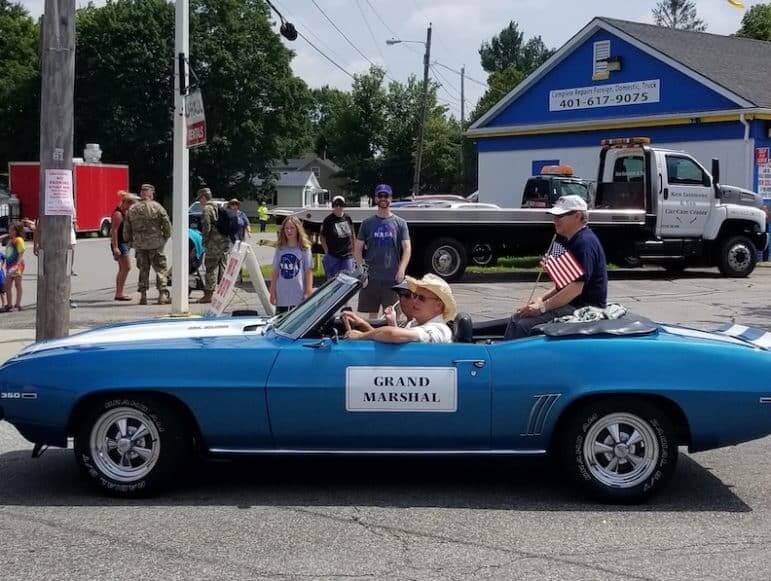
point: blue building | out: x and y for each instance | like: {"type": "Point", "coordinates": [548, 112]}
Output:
{"type": "Point", "coordinates": [703, 93]}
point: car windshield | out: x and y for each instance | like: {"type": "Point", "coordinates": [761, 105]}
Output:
{"type": "Point", "coordinates": [575, 189]}
{"type": "Point", "coordinates": [319, 302]}
{"type": "Point", "coordinates": [195, 207]}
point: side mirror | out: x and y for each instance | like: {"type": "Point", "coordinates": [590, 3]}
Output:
{"type": "Point", "coordinates": [716, 176]}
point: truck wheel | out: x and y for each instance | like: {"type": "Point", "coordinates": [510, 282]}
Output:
{"type": "Point", "coordinates": [482, 255]}
{"type": "Point", "coordinates": [104, 229]}
{"type": "Point", "coordinates": [446, 257]}
{"type": "Point", "coordinates": [621, 451]}
{"type": "Point", "coordinates": [132, 445]}
{"type": "Point", "coordinates": [737, 257]}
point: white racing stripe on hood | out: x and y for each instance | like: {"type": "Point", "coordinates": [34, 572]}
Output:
{"type": "Point", "coordinates": [155, 331]}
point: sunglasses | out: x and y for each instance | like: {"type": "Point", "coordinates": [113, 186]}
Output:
{"type": "Point", "coordinates": [406, 294]}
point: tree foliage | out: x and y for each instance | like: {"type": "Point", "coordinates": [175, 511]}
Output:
{"type": "Point", "coordinates": [19, 84]}
{"type": "Point", "coordinates": [680, 14]}
{"type": "Point", "coordinates": [756, 23]}
{"type": "Point", "coordinates": [372, 133]}
{"type": "Point", "coordinates": [508, 49]}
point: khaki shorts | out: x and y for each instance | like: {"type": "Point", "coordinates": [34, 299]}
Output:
{"type": "Point", "coordinates": [376, 294]}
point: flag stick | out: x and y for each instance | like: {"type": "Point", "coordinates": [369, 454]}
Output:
{"type": "Point", "coordinates": [540, 271]}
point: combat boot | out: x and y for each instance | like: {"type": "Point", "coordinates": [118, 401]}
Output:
{"type": "Point", "coordinates": [143, 297]}
{"type": "Point", "coordinates": [164, 298]}
{"type": "Point", "coordinates": [206, 298]}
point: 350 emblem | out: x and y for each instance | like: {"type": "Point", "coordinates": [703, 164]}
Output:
{"type": "Point", "coordinates": [17, 395]}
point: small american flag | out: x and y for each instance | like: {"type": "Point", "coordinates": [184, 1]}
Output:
{"type": "Point", "coordinates": [561, 266]}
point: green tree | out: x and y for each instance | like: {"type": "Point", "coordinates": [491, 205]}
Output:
{"type": "Point", "coordinates": [680, 14]}
{"type": "Point", "coordinates": [509, 49]}
{"type": "Point", "coordinates": [499, 84]}
{"type": "Point", "coordinates": [256, 110]}
{"type": "Point", "coordinates": [756, 23]}
{"type": "Point", "coordinates": [19, 85]}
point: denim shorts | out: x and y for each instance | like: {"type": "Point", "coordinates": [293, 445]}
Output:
{"type": "Point", "coordinates": [333, 265]}
{"type": "Point", "coordinates": [124, 249]}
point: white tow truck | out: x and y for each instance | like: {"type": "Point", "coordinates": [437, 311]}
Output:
{"type": "Point", "coordinates": [651, 205]}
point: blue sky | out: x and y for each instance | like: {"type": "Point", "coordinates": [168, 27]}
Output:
{"type": "Point", "coordinates": [459, 28]}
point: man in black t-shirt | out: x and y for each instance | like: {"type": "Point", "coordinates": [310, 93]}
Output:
{"type": "Point", "coordinates": [337, 240]}
{"type": "Point", "coordinates": [577, 266]}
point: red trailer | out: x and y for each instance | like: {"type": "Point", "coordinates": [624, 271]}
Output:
{"type": "Point", "coordinates": [95, 188]}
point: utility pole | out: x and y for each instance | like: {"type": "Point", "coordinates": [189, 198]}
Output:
{"type": "Point", "coordinates": [56, 129]}
{"type": "Point", "coordinates": [462, 124]}
{"type": "Point", "coordinates": [422, 126]}
{"type": "Point", "coordinates": [179, 244]}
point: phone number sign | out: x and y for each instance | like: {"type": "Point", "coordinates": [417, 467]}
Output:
{"type": "Point", "coordinates": [616, 95]}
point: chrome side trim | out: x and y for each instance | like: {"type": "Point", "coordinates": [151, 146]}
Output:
{"type": "Point", "coordinates": [502, 452]}
{"type": "Point", "coordinates": [539, 413]}
{"type": "Point", "coordinates": [765, 400]}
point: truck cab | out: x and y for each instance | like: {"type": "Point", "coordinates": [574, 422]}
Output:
{"type": "Point", "coordinates": [555, 180]}
{"type": "Point", "coordinates": [691, 219]}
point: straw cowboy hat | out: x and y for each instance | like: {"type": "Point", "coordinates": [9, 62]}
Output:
{"type": "Point", "coordinates": [441, 289]}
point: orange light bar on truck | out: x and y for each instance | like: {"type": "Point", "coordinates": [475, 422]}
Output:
{"type": "Point", "coordinates": [557, 170]}
{"type": "Point", "coordinates": [625, 141]}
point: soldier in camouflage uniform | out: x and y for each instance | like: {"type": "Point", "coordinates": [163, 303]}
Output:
{"type": "Point", "coordinates": [146, 229]}
{"type": "Point", "coordinates": [216, 244]}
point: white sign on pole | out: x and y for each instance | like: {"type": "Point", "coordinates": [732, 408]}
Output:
{"type": "Point", "coordinates": [58, 193]}
{"type": "Point", "coordinates": [615, 95]}
{"type": "Point", "coordinates": [196, 119]}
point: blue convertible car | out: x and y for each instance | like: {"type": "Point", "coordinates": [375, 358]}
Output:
{"type": "Point", "coordinates": [611, 400]}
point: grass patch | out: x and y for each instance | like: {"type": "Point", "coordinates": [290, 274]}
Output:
{"type": "Point", "coordinates": [515, 264]}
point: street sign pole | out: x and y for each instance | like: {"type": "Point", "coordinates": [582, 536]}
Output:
{"type": "Point", "coordinates": [179, 242]}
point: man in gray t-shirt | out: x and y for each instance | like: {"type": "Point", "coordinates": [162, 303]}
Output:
{"type": "Point", "coordinates": [383, 243]}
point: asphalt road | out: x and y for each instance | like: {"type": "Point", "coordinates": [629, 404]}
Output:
{"type": "Point", "coordinates": [385, 518]}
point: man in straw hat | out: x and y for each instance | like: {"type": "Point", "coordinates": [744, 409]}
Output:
{"type": "Point", "coordinates": [576, 264]}
{"type": "Point", "coordinates": [432, 305]}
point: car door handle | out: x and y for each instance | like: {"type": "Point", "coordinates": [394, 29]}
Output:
{"type": "Point", "coordinates": [666, 193]}
{"type": "Point", "coordinates": [480, 363]}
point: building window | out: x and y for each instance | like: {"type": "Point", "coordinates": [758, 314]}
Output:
{"type": "Point", "coordinates": [316, 171]}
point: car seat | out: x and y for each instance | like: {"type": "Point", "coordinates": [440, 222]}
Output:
{"type": "Point", "coordinates": [463, 329]}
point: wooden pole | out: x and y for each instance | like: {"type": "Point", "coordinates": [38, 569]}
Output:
{"type": "Point", "coordinates": [56, 129]}
{"type": "Point", "coordinates": [423, 112]}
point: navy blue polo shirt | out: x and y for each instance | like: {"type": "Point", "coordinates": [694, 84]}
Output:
{"type": "Point", "coordinates": [587, 250]}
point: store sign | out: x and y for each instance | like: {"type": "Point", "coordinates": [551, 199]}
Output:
{"type": "Point", "coordinates": [196, 119]}
{"type": "Point", "coordinates": [615, 95]}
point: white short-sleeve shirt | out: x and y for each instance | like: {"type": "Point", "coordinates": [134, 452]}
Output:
{"type": "Point", "coordinates": [433, 331]}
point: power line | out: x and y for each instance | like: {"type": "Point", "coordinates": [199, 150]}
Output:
{"type": "Point", "coordinates": [444, 79]}
{"type": "Point", "coordinates": [318, 50]}
{"type": "Point", "coordinates": [332, 22]}
{"type": "Point", "coordinates": [309, 29]}
{"type": "Point", "coordinates": [380, 18]}
{"type": "Point", "coordinates": [372, 34]}
{"type": "Point", "coordinates": [472, 79]}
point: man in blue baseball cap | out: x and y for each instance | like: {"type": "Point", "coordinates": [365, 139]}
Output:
{"type": "Point", "coordinates": [383, 243]}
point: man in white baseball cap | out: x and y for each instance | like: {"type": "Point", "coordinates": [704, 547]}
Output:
{"type": "Point", "coordinates": [577, 266]}
{"type": "Point", "coordinates": [432, 305]}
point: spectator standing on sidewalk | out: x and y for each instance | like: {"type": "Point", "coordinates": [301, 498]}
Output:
{"type": "Point", "coordinates": [118, 246]}
{"type": "Point", "coordinates": [262, 215]}
{"type": "Point", "coordinates": [14, 264]}
{"type": "Point", "coordinates": [216, 243]}
{"type": "Point", "coordinates": [383, 243]}
{"type": "Point", "coordinates": [337, 240]}
{"type": "Point", "coordinates": [244, 228]}
{"type": "Point", "coordinates": [292, 279]}
{"type": "Point", "coordinates": [147, 228]}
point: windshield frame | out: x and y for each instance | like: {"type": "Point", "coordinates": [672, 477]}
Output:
{"type": "Point", "coordinates": [317, 306]}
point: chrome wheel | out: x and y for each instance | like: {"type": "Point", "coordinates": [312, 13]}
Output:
{"type": "Point", "coordinates": [446, 261]}
{"type": "Point", "coordinates": [738, 257]}
{"type": "Point", "coordinates": [621, 450]}
{"type": "Point", "coordinates": [125, 444]}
